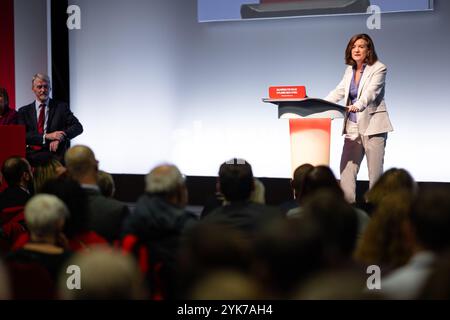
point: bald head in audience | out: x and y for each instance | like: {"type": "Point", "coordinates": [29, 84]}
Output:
{"type": "Point", "coordinates": [81, 164]}
{"type": "Point", "coordinates": [106, 215]}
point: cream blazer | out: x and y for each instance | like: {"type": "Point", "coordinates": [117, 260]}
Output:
{"type": "Point", "coordinates": [373, 117]}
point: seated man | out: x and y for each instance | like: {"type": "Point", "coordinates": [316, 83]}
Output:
{"type": "Point", "coordinates": [17, 174]}
{"type": "Point", "coordinates": [106, 215]}
{"type": "Point", "coordinates": [158, 222]}
{"type": "Point", "coordinates": [236, 183]}
{"type": "Point", "coordinates": [160, 212]}
{"type": "Point", "coordinates": [49, 124]}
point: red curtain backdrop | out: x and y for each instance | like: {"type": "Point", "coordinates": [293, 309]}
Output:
{"type": "Point", "coordinates": [7, 69]}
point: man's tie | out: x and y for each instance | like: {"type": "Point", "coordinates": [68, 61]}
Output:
{"type": "Point", "coordinates": [41, 119]}
{"type": "Point", "coordinates": [40, 127]}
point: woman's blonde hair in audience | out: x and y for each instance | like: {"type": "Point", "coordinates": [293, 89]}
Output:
{"type": "Point", "coordinates": [44, 173]}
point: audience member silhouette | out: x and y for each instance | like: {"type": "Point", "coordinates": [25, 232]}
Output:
{"type": "Point", "coordinates": [159, 220]}
{"type": "Point", "coordinates": [337, 222]}
{"type": "Point", "coordinates": [297, 187]}
{"type": "Point", "coordinates": [390, 181]}
{"type": "Point", "coordinates": [105, 275]}
{"type": "Point", "coordinates": [35, 267]}
{"type": "Point", "coordinates": [46, 169]}
{"type": "Point", "coordinates": [236, 183]}
{"type": "Point", "coordinates": [322, 178]}
{"type": "Point", "coordinates": [227, 285]}
{"type": "Point", "coordinates": [286, 253]}
{"type": "Point", "coordinates": [385, 241]}
{"type": "Point", "coordinates": [437, 285]}
{"type": "Point", "coordinates": [76, 229]}
{"type": "Point", "coordinates": [106, 216]}
{"type": "Point", "coordinates": [429, 229]}
{"type": "Point", "coordinates": [106, 184]}
{"type": "Point", "coordinates": [19, 177]}
{"type": "Point", "coordinates": [207, 248]}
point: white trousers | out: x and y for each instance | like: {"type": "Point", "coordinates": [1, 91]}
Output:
{"type": "Point", "coordinates": [355, 147]}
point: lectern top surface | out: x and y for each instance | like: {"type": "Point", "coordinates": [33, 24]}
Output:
{"type": "Point", "coordinates": [305, 100]}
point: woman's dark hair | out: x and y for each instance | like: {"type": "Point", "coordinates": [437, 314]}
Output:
{"type": "Point", "coordinates": [392, 180]}
{"type": "Point", "coordinates": [371, 55]}
{"type": "Point", "coordinates": [236, 180]}
{"type": "Point", "coordinates": [319, 178]}
{"type": "Point", "coordinates": [299, 176]}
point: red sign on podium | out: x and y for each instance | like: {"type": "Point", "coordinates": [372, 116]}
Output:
{"type": "Point", "coordinates": [287, 92]}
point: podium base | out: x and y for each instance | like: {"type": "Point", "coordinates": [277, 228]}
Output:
{"type": "Point", "coordinates": [310, 141]}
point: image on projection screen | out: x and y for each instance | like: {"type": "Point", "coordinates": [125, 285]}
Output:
{"type": "Point", "coordinates": [221, 10]}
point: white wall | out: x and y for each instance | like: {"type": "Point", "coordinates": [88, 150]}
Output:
{"type": "Point", "coordinates": [149, 83]}
{"type": "Point", "coordinates": [30, 41]}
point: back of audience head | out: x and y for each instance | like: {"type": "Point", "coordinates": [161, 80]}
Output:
{"type": "Point", "coordinates": [337, 221]}
{"type": "Point", "coordinates": [75, 198]}
{"type": "Point", "coordinates": [226, 285]}
{"type": "Point", "coordinates": [81, 164]}
{"type": "Point", "coordinates": [166, 181]}
{"type": "Point", "coordinates": [391, 180]}
{"type": "Point", "coordinates": [385, 241]}
{"type": "Point", "coordinates": [319, 178]}
{"type": "Point", "coordinates": [430, 218]}
{"type": "Point", "coordinates": [212, 246]}
{"type": "Point", "coordinates": [106, 184]}
{"type": "Point", "coordinates": [46, 170]}
{"type": "Point", "coordinates": [45, 216]}
{"type": "Point", "coordinates": [209, 247]}
{"type": "Point", "coordinates": [297, 182]}
{"type": "Point", "coordinates": [106, 275]}
{"type": "Point", "coordinates": [287, 253]}
{"type": "Point", "coordinates": [17, 172]}
{"type": "Point", "coordinates": [236, 180]}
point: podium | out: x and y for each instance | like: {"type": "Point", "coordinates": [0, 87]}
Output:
{"type": "Point", "coordinates": [310, 127]}
{"type": "Point", "coordinates": [12, 143]}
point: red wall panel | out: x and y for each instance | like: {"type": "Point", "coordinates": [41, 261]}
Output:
{"type": "Point", "coordinates": [7, 69]}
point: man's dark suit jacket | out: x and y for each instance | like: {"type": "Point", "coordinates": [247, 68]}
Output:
{"type": "Point", "coordinates": [106, 215]}
{"type": "Point", "coordinates": [13, 197]}
{"type": "Point", "coordinates": [246, 216]}
{"type": "Point", "coordinates": [60, 118]}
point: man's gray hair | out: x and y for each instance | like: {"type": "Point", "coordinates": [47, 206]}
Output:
{"type": "Point", "coordinates": [41, 76]}
{"type": "Point", "coordinates": [164, 178]}
{"type": "Point", "coordinates": [43, 212]}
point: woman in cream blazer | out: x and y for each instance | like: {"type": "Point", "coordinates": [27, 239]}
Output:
{"type": "Point", "coordinates": [366, 122]}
